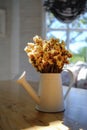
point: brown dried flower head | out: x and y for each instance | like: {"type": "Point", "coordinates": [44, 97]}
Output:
{"type": "Point", "coordinates": [47, 56]}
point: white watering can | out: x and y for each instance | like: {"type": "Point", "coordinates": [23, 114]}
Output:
{"type": "Point", "coordinates": [50, 95]}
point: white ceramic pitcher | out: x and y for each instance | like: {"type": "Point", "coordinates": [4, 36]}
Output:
{"type": "Point", "coordinates": [50, 92]}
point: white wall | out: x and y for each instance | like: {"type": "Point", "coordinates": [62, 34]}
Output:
{"type": "Point", "coordinates": [15, 38]}
{"type": "Point", "coordinates": [30, 25]}
{"type": "Point", "coordinates": [24, 20]}
{"type": "Point", "coordinates": [5, 44]}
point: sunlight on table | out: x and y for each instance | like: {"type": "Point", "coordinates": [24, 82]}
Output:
{"type": "Point", "coordinates": [56, 125]}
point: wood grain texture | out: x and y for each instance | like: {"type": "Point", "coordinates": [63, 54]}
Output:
{"type": "Point", "coordinates": [17, 110]}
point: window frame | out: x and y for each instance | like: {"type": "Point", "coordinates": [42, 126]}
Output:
{"type": "Point", "coordinates": [67, 29]}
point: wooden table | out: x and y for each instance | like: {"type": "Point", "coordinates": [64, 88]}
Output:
{"type": "Point", "coordinates": [17, 110]}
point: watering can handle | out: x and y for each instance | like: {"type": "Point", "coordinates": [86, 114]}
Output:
{"type": "Point", "coordinates": [71, 82]}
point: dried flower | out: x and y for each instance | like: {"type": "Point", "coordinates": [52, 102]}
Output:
{"type": "Point", "coordinates": [47, 56]}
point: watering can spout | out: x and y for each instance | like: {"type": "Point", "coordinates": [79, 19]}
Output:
{"type": "Point", "coordinates": [22, 81]}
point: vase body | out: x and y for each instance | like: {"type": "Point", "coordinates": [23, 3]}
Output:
{"type": "Point", "coordinates": [51, 93]}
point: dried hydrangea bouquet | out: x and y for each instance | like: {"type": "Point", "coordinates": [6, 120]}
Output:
{"type": "Point", "coordinates": [48, 56]}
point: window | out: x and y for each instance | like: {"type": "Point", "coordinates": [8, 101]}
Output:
{"type": "Point", "coordinates": [74, 34]}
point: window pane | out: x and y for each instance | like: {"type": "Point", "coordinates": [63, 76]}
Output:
{"type": "Point", "coordinates": [80, 22]}
{"type": "Point", "coordinates": [53, 23]}
{"type": "Point", "coordinates": [78, 40]}
{"type": "Point", "coordinates": [57, 34]}
{"type": "Point", "coordinates": [78, 45]}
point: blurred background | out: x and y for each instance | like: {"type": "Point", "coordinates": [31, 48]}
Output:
{"type": "Point", "coordinates": [21, 20]}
